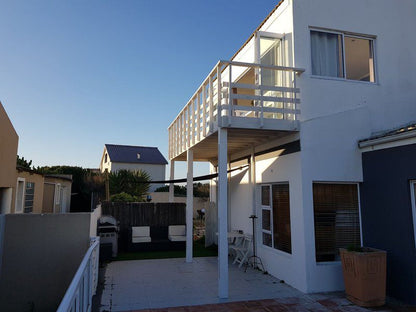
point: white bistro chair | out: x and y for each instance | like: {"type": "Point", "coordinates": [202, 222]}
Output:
{"type": "Point", "coordinates": [242, 251]}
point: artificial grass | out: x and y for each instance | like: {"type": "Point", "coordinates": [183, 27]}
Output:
{"type": "Point", "coordinates": [199, 250]}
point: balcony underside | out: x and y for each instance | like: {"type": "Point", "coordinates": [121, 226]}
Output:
{"type": "Point", "coordinates": [239, 140]}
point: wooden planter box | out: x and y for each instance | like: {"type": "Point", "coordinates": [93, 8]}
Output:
{"type": "Point", "coordinates": [365, 276]}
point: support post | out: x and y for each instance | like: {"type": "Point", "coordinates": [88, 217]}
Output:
{"type": "Point", "coordinates": [222, 214]}
{"type": "Point", "coordinates": [189, 204]}
{"type": "Point", "coordinates": [171, 185]}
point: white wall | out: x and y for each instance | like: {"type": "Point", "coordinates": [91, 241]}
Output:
{"type": "Point", "coordinates": [156, 172]}
{"type": "Point", "coordinates": [335, 114]}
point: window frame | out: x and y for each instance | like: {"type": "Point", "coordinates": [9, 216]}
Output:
{"type": "Point", "coordinates": [22, 199]}
{"type": "Point", "coordinates": [413, 202]}
{"type": "Point", "coordinates": [343, 34]}
{"type": "Point", "coordinates": [359, 216]}
{"type": "Point", "coordinates": [270, 209]}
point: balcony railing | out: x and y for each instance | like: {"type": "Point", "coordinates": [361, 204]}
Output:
{"type": "Point", "coordinates": [78, 296]}
{"type": "Point", "coordinates": [252, 96]}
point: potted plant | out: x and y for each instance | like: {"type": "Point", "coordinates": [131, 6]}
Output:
{"type": "Point", "coordinates": [364, 271]}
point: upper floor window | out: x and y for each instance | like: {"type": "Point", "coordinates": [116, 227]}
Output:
{"type": "Point", "coordinates": [342, 56]}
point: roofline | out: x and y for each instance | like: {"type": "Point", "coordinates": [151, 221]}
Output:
{"type": "Point", "coordinates": [257, 29]}
{"type": "Point", "coordinates": [387, 139]}
{"type": "Point", "coordinates": [131, 145]}
{"type": "Point", "coordinates": [7, 116]}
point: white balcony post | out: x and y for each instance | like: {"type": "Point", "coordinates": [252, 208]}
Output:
{"type": "Point", "coordinates": [189, 204]}
{"type": "Point", "coordinates": [222, 214]}
{"type": "Point", "coordinates": [171, 185]}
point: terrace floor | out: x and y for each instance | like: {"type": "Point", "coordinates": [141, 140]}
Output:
{"type": "Point", "coordinates": [156, 285]}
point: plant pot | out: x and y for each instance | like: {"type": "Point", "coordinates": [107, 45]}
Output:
{"type": "Point", "coordinates": [365, 276]}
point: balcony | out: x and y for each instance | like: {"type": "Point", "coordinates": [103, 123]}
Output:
{"type": "Point", "coordinates": [253, 101]}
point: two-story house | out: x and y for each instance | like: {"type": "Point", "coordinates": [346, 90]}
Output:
{"type": "Point", "coordinates": [313, 101]}
{"type": "Point", "coordinates": [132, 158]}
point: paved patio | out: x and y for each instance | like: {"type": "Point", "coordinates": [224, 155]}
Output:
{"type": "Point", "coordinates": [173, 285]}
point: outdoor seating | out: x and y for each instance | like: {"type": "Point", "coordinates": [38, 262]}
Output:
{"type": "Point", "coordinates": [242, 252]}
{"type": "Point", "coordinates": [235, 239]}
{"type": "Point", "coordinates": [177, 233]}
{"type": "Point", "coordinates": [140, 234]}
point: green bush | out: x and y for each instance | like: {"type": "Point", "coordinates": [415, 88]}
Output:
{"type": "Point", "coordinates": [124, 197]}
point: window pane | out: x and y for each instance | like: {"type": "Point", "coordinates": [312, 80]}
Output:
{"type": "Point", "coordinates": [359, 61]}
{"type": "Point", "coordinates": [265, 195]}
{"type": "Point", "coordinates": [336, 217]}
{"type": "Point", "coordinates": [267, 239]}
{"type": "Point", "coordinates": [29, 196]}
{"type": "Point", "coordinates": [265, 220]}
{"type": "Point", "coordinates": [326, 51]}
{"type": "Point", "coordinates": [270, 55]}
{"type": "Point", "coordinates": [281, 218]}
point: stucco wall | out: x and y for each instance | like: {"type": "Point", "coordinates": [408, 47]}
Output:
{"type": "Point", "coordinates": [37, 179]}
{"type": "Point", "coordinates": [335, 114]}
{"type": "Point", "coordinates": [8, 150]}
{"type": "Point", "coordinates": [39, 257]}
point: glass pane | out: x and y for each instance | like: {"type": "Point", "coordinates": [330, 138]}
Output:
{"type": "Point", "coordinates": [267, 239]}
{"type": "Point", "coordinates": [270, 54]}
{"type": "Point", "coordinates": [359, 61]}
{"type": "Point", "coordinates": [265, 195]}
{"type": "Point", "coordinates": [326, 51]}
{"type": "Point", "coordinates": [265, 220]}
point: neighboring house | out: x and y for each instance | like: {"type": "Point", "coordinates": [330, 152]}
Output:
{"type": "Point", "coordinates": [57, 193]}
{"type": "Point", "coordinates": [309, 102]}
{"type": "Point", "coordinates": [149, 159]}
{"type": "Point", "coordinates": [8, 152]}
{"type": "Point", "coordinates": [38, 193]}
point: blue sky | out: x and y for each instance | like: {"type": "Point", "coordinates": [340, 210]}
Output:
{"type": "Point", "coordinates": [75, 75]}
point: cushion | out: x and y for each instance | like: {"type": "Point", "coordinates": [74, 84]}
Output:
{"type": "Point", "coordinates": [140, 231]}
{"type": "Point", "coordinates": [177, 230]}
{"type": "Point", "coordinates": [177, 238]}
{"type": "Point", "coordinates": [141, 239]}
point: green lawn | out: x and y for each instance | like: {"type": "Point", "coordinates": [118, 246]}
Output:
{"type": "Point", "coordinates": [199, 250]}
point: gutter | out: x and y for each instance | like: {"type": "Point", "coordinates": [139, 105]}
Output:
{"type": "Point", "coordinates": [387, 139]}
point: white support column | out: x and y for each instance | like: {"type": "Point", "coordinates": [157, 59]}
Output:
{"type": "Point", "coordinates": [189, 204]}
{"type": "Point", "coordinates": [222, 214]}
{"type": "Point", "coordinates": [171, 185]}
{"type": "Point", "coordinates": [253, 178]}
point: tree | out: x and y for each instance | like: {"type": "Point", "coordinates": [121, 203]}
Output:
{"type": "Point", "coordinates": [134, 183]}
{"type": "Point", "coordinates": [23, 163]}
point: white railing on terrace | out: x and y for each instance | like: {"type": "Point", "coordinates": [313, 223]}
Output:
{"type": "Point", "coordinates": [78, 297]}
{"type": "Point", "coordinates": [250, 96]}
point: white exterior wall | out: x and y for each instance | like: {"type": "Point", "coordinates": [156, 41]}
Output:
{"type": "Point", "coordinates": [335, 115]}
{"type": "Point", "coordinates": [156, 172]}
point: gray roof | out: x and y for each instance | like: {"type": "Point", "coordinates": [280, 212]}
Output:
{"type": "Point", "coordinates": [129, 154]}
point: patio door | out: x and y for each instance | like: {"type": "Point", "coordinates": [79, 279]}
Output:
{"type": "Point", "coordinates": [269, 51]}
{"type": "Point", "coordinates": [266, 215]}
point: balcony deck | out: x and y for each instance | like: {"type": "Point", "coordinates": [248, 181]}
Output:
{"type": "Point", "coordinates": [255, 102]}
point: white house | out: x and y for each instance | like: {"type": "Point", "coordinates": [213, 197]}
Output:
{"type": "Point", "coordinates": [149, 159]}
{"type": "Point", "coordinates": [304, 102]}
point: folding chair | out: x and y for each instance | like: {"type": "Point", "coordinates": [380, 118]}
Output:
{"type": "Point", "coordinates": [243, 251]}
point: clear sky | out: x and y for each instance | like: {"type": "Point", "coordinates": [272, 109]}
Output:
{"type": "Point", "coordinates": [77, 74]}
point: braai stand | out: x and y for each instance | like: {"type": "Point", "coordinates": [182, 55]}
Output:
{"type": "Point", "coordinates": [255, 261]}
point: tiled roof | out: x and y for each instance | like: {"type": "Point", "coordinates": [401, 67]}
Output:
{"type": "Point", "coordinates": [135, 154]}
{"type": "Point", "coordinates": [390, 133]}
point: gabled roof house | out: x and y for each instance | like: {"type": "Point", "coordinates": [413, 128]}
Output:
{"type": "Point", "coordinates": [149, 159]}
{"type": "Point", "coordinates": [303, 102]}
